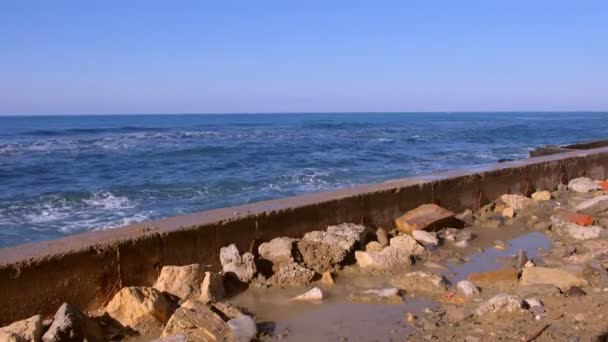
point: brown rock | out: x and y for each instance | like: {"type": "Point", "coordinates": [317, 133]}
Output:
{"type": "Point", "coordinates": [544, 275]}
{"type": "Point", "coordinates": [197, 322]}
{"type": "Point", "coordinates": [212, 288]}
{"type": "Point", "coordinates": [277, 250]}
{"type": "Point", "coordinates": [427, 217]}
{"type": "Point", "coordinates": [506, 277]}
{"type": "Point", "coordinates": [420, 282]}
{"type": "Point", "coordinates": [69, 325]}
{"type": "Point", "coordinates": [290, 274]}
{"type": "Point", "coordinates": [327, 279]}
{"type": "Point", "coordinates": [181, 281]}
{"type": "Point", "coordinates": [518, 202]}
{"type": "Point", "coordinates": [508, 212]}
{"type": "Point", "coordinates": [22, 331]}
{"type": "Point", "coordinates": [141, 308]}
{"type": "Point", "coordinates": [390, 258]}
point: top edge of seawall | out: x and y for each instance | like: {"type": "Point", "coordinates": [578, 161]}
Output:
{"type": "Point", "coordinates": [111, 237]}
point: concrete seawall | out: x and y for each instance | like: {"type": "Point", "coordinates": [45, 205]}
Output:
{"type": "Point", "coordinates": [87, 269]}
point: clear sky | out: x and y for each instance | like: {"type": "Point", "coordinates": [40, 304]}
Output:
{"type": "Point", "coordinates": [71, 57]}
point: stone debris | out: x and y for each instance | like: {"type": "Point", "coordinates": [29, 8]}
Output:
{"type": "Point", "coordinates": [583, 184]}
{"type": "Point", "coordinates": [574, 230]}
{"type": "Point", "coordinates": [501, 303]}
{"type": "Point", "coordinates": [243, 328]}
{"type": "Point", "coordinates": [325, 250]}
{"type": "Point", "coordinates": [23, 331]}
{"type": "Point", "coordinates": [141, 308]}
{"type": "Point", "coordinates": [460, 237]}
{"type": "Point", "coordinates": [327, 279]}
{"type": "Point", "coordinates": [240, 266]}
{"type": "Point", "coordinates": [591, 250]}
{"type": "Point", "coordinates": [575, 291]}
{"type": "Point", "coordinates": [374, 246]}
{"type": "Point", "coordinates": [212, 288]}
{"type": "Point", "coordinates": [541, 196]}
{"type": "Point", "coordinates": [536, 307]}
{"type": "Point", "coordinates": [181, 281]}
{"type": "Point", "coordinates": [378, 296]}
{"type": "Point", "coordinates": [503, 278]}
{"type": "Point", "coordinates": [382, 236]}
{"type": "Point", "coordinates": [508, 212]}
{"type": "Point", "coordinates": [518, 202]}
{"type": "Point", "coordinates": [593, 206]}
{"type": "Point", "coordinates": [537, 290]}
{"type": "Point", "coordinates": [226, 310]}
{"type": "Point", "coordinates": [69, 324]}
{"type": "Point", "coordinates": [427, 239]}
{"type": "Point", "coordinates": [553, 276]}
{"type": "Point", "coordinates": [407, 244]}
{"type": "Point", "coordinates": [313, 295]}
{"type": "Point", "coordinates": [290, 274]}
{"type": "Point", "coordinates": [173, 338]}
{"type": "Point", "coordinates": [420, 281]}
{"type": "Point", "coordinates": [522, 260]}
{"type": "Point", "coordinates": [466, 217]}
{"type": "Point", "coordinates": [427, 217]}
{"type": "Point", "coordinates": [277, 250]}
{"type": "Point", "coordinates": [467, 288]}
{"type": "Point", "coordinates": [390, 258]}
{"type": "Point", "coordinates": [197, 322]}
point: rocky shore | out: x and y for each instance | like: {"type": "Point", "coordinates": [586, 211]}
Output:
{"type": "Point", "coordinates": [529, 268]}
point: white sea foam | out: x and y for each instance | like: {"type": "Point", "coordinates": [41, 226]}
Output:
{"type": "Point", "coordinates": [107, 200]}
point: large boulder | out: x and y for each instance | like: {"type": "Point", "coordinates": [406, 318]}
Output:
{"type": "Point", "coordinates": [69, 325]}
{"type": "Point", "coordinates": [419, 281]}
{"type": "Point", "coordinates": [236, 265]}
{"type": "Point", "coordinates": [324, 250]}
{"type": "Point", "coordinates": [181, 281]}
{"type": "Point", "coordinates": [141, 308]}
{"type": "Point", "coordinates": [212, 288]}
{"type": "Point", "coordinates": [583, 184]}
{"type": "Point", "coordinates": [23, 331]}
{"type": "Point", "coordinates": [427, 217]}
{"type": "Point", "coordinates": [197, 322]}
{"type": "Point", "coordinates": [552, 276]}
{"type": "Point", "coordinates": [518, 202]}
{"type": "Point", "coordinates": [290, 274]}
{"type": "Point", "coordinates": [391, 258]}
{"type": "Point", "coordinates": [277, 250]}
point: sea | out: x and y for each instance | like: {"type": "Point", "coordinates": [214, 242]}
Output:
{"type": "Point", "coordinates": [62, 175]}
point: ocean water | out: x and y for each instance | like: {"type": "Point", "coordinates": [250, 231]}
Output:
{"type": "Point", "coordinates": [62, 175]}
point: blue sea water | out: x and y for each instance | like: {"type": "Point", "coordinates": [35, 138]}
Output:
{"type": "Point", "coordinates": [62, 175]}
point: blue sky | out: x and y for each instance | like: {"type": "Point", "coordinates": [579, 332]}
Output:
{"type": "Point", "coordinates": [95, 57]}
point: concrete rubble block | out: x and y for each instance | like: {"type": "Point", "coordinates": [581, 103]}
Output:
{"type": "Point", "coordinates": [325, 250]}
{"type": "Point", "coordinates": [503, 278]}
{"type": "Point", "coordinates": [277, 250]}
{"type": "Point", "coordinates": [181, 281]}
{"type": "Point", "coordinates": [197, 322]}
{"type": "Point", "coordinates": [428, 239]}
{"type": "Point", "coordinates": [69, 324]}
{"type": "Point", "coordinates": [420, 282]}
{"type": "Point", "coordinates": [391, 259]}
{"type": "Point", "coordinates": [23, 331]}
{"type": "Point", "coordinates": [583, 184]}
{"type": "Point", "coordinates": [541, 196]}
{"type": "Point", "coordinates": [561, 224]}
{"type": "Point", "coordinates": [290, 274]}
{"type": "Point", "coordinates": [407, 244]}
{"type": "Point", "coordinates": [377, 296]}
{"type": "Point", "coordinates": [518, 202]}
{"type": "Point", "coordinates": [236, 265]}
{"type": "Point", "coordinates": [313, 295]}
{"type": "Point", "coordinates": [467, 288]}
{"type": "Point", "coordinates": [427, 217]}
{"type": "Point", "coordinates": [552, 276]}
{"type": "Point", "coordinates": [593, 206]}
{"type": "Point", "coordinates": [141, 308]}
{"type": "Point", "coordinates": [212, 287]}
{"type": "Point", "coordinates": [374, 246]}
{"type": "Point", "coordinates": [501, 303]}
{"type": "Point", "coordinates": [243, 328]}
{"type": "Point", "coordinates": [382, 236]}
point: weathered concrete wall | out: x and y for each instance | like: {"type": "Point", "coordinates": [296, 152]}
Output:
{"type": "Point", "coordinates": [87, 269]}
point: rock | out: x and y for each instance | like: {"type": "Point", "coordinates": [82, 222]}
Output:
{"type": "Point", "coordinates": [499, 244]}
{"type": "Point", "coordinates": [327, 279]}
{"type": "Point", "coordinates": [583, 184]}
{"type": "Point", "coordinates": [427, 217]}
{"type": "Point", "coordinates": [456, 235]}
{"type": "Point", "coordinates": [466, 216]}
{"type": "Point", "coordinates": [529, 263]}
{"type": "Point", "coordinates": [499, 304]}
{"type": "Point", "coordinates": [427, 239]}
{"type": "Point", "coordinates": [314, 294]}
{"type": "Point", "coordinates": [235, 265]}
{"type": "Point", "coordinates": [141, 308]}
{"type": "Point", "coordinates": [377, 296]}
{"type": "Point", "coordinates": [390, 258]}
{"type": "Point", "coordinates": [455, 314]}
{"type": "Point", "coordinates": [543, 275]}
{"type": "Point", "coordinates": [277, 250]}
{"type": "Point", "coordinates": [243, 328]}
{"type": "Point", "coordinates": [518, 202]}
{"type": "Point", "coordinates": [522, 259]}
{"type": "Point", "coordinates": [535, 306]}
{"type": "Point", "coordinates": [224, 309]}
{"type": "Point", "coordinates": [212, 288]}
{"type": "Point", "coordinates": [593, 206]}
{"type": "Point", "coordinates": [181, 281]}
{"type": "Point", "coordinates": [374, 246]}
{"type": "Point", "coordinates": [575, 291]}
{"type": "Point", "coordinates": [325, 250]}
{"type": "Point", "coordinates": [172, 338]}
{"type": "Point", "coordinates": [420, 281]}
{"type": "Point", "coordinates": [382, 236]}
{"type": "Point", "coordinates": [69, 324]}
{"type": "Point", "coordinates": [508, 212]}
{"type": "Point", "coordinates": [23, 331]}
{"type": "Point", "coordinates": [537, 289]}
{"type": "Point", "coordinates": [407, 244]}
{"type": "Point", "coordinates": [467, 288]}
{"type": "Point", "coordinates": [574, 230]}
{"type": "Point", "coordinates": [502, 278]}
{"type": "Point", "coordinates": [541, 196]}
{"type": "Point", "coordinates": [291, 274]}
{"type": "Point", "coordinates": [197, 322]}
{"type": "Point", "coordinates": [590, 250]}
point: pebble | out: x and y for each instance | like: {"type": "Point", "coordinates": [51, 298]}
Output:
{"type": "Point", "coordinates": [314, 294]}
{"type": "Point", "coordinates": [499, 244]}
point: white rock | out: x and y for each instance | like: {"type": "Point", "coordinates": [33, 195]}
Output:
{"type": "Point", "coordinates": [500, 303]}
{"type": "Point", "coordinates": [243, 267]}
{"type": "Point", "coordinates": [574, 230]}
{"type": "Point", "coordinates": [541, 196]}
{"type": "Point", "coordinates": [583, 184]}
{"type": "Point", "coordinates": [407, 244]}
{"type": "Point", "coordinates": [243, 328]}
{"type": "Point", "coordinates": [181, 281]}
{"type": "Point", "coordinates": [392, 291]}
{"type": "Point", "coordinates": [26, 330]}
{"type": "Point", "coordinates": [277, 250]}
{"type": "Point", "coordinates": [426, 238]}
{"type": "Point", "coordinates": [390, 258]}
{"type": "Point", "coordinates": [314, 294]}
{"type": "Point", "coordinates": [467, 288]}
{"type": "Point", "coordinates": [529, 263]}
{"type": "Point", "coordinates": [518, 202]}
